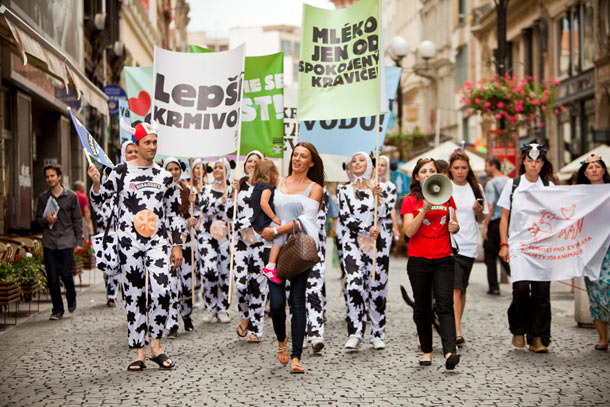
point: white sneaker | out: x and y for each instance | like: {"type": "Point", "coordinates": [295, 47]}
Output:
{"type": "Point", "coordinates": [378, 344]}
{"type": "Point", "coordinates": [353, 343]}
{"type": "Point", "coordinates": [208, 316]}
{"type": "Point", "coordinates": [317, 345]}
{"type": "Point", "coordinates": [223, 317]}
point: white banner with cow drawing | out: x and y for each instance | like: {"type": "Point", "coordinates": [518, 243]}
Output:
{"type": "Point", "coordinates": [197, 101]}
{"type": "Point", "coordinates": [559, 232]}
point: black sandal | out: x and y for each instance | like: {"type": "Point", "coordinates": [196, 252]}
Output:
{"type": "Point", "coordinates": [241, 332]}
{"type": "Point", "coordinates": [137, 363]}
{"type": "Point", "coordinates": [161, 359]}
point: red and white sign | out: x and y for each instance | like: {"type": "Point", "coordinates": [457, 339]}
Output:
{"type": "Point", "coordinates": [505, 149]}
{"type": "Point", "coordinates": [559, 232]}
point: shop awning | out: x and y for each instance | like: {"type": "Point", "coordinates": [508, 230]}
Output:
{"type": "Point", "coordinates": [36, 50]}
{"type": "Point", "coordinates": [442, 152]}
{"type": "Point", "coordinates": [566, 172]}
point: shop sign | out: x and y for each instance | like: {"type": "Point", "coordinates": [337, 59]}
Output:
{"type": "Point", "coordinates": [114, 94]}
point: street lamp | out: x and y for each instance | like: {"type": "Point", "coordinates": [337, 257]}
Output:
{"type": "Point", "coordinates": [427, 51]}
{"type": "Point", "coordinates": [399, 48]}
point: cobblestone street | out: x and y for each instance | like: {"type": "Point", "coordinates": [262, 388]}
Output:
{"type": "Point", "coordinates": [82, 360]}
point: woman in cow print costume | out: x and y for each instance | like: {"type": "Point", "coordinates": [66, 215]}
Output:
{"type": "Point", "coordinates": [181, 277]}
{"type": "Point", "coordinates": [388, 230]}
{"type": "Point", "coordinates": [315, 292]}
{"type": "Point", "coordinates": [356, 210]}
{"type": "Point", "coordinates": [145, 219]}
{"type": "Point", "coordinates": [250, 283]}
{"type": "Point", "coordinates": [196, 184]}
{"type": "Point", "coordinates": [216, 208]}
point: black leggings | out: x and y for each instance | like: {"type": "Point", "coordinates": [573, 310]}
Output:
{"type": "Point", "coordinates": [428, 276]}
{"type": "Point", "coordinates": [277, 307]}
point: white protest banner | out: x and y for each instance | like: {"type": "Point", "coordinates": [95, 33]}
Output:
{"type": "Point", "coordinates": [558, 232]}
{"type": "Point", "coordinates": [197, 101]}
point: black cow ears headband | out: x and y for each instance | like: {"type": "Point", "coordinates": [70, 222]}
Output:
{"type": "Point", "coordinates": [534, 150]}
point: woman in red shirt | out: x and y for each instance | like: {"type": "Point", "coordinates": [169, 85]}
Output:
{"type": "Point", "coordinates": [430, 266]}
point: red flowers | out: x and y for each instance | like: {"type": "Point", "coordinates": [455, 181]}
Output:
{"type": "Point", "coordinates": [520, 101]}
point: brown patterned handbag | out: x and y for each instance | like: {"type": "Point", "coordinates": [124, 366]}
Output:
{"type": "Point", "coordinates": [298, 254]}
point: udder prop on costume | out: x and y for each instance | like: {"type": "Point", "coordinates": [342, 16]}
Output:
{"type": "Point", "coordinates": [145, 223]}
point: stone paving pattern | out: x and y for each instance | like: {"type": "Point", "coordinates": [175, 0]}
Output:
{"type": "Point", "coordinates": [82, 360]}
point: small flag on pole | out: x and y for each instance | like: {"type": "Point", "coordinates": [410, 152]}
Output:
{"type": "Point", "coordinates": [91, 147]}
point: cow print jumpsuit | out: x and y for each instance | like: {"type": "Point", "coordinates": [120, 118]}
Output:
{"type": "Point", "coordinates": [145, 188]}
{"type": "Point", "coordinates": [102, 216]}
{"type": "Point", "coordinates": [315, 295]}
{"type": "Point", "coordinates": [356, 211]}
{"type": "Point", "coordinates": [379, 288]}
{"type": "Point", "coordinates": [215, 253]}
{"type": "Point", "coordinates": [251, 283]}
{"type": "Point", "coordinates": [181, 281]}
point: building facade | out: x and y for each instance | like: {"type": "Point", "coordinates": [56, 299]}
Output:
{"type": "Point", "coordinates": [58, 55]}
{"type": "Point", "coordinates": [44, 72]}
{"type": "Point", "coordinates": [566, 41]}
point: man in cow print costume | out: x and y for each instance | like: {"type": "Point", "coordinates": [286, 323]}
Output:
{"type": "Point", "coordinates": [216, 206]}
{"type": "Point", "coordinates": [356, 210]}
{"type": "Point", "coordinates": [181, 277]}
{"type": "Point", "coordinates": [145, 218]}
{"type": "Point", "coordinates": [251, 284]}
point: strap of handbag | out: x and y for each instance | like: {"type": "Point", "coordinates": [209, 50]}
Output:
{"type": "Point", "coordinates": [115, 213]}
{"type": "Point", "coordinates": [294, 226]}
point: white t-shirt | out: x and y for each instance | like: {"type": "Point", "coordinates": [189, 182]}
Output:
{"type": "Point", "coordinates": [504, 201]}
{"type": "Point", "coordinates": [468, 238]}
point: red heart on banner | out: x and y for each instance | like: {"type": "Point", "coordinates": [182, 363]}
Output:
{"type": "Point", "coordinates": [141, 104]}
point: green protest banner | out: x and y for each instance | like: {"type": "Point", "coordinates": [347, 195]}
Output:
{"type": "Point", "coordinates": [262, 123]}
{"type": "Point", "coordinates": [139, 84]}
{"type": "Point", "coordinates": [341, 57]}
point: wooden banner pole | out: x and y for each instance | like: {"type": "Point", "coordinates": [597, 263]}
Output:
{"type": "Point", "coordinates": [376, 196]}
{"type": "Point", "coordinates": [193, 189]}
{"type": "Point", "coordinates": [237, 174]}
